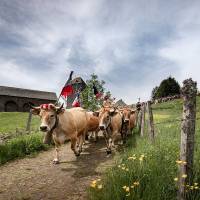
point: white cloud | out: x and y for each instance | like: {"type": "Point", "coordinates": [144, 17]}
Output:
{"type": "Point", "coordinates": [131, 44]}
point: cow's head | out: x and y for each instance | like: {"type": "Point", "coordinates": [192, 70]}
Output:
{"type": "Point", "coordinates": [127, 112]}
{"type": "Point", "coordinates": [48, 115]}
{"type": "Point", "coordinates": [105, 115]}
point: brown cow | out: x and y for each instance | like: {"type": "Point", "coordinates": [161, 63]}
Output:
{"type": "Point", "coordinates": [63, 124]}
{"type": "Point", "coordinates": [93, 125]}
{"type": "Point", "coordinates": [110, 122]}
{"type": "Point", "coordinates": [129, 117]}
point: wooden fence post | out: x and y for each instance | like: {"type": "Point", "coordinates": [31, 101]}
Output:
{"type": "Point", "coordinates": [28, 125]}
{"type": "Point", "coordinates": [150, 121]}
{"type": "Point", "coordinates": [139, 121]}
{"type": "Point", "coordinates": [189, 91]}
{"type": "Point", "coordinates": [143, 110]}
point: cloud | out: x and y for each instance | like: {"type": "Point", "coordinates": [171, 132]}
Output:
{"type": "Point", "coordinates": [132, 45]}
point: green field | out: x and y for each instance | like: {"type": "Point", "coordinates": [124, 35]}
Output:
{"type": "Point", "coordinates": [147, 171]}
{"type": "Point", "coordinates": [9, 122]}
{"type": "Point", "coordinates": [18, 143]}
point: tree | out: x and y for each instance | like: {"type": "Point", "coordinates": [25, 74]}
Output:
{"type": "Point", "coordinates": [89, 100]}
{"type": "Point", "coordinates": [153, 93]}
{"type": "Point", "coordinates": [168, 87]}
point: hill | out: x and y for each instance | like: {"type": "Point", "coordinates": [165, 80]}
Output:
{"type": "Point", "coordinates": [149, 171]}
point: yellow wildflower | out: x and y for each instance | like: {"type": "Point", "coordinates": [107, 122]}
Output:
{"type": "Point", "coordinates": [92, 185]}
{"type": "Point", "coordinates": [195, 184]}
{"type": "Point", "coordinates": [127, 169]}
{"type": "Point", "coordinates": [123, 168]}
{"type": "Point", "coordinates": [176, 179]}
{"type": "Point", "coordinates": [94, 182]}
{"type": "Point", "coordinates": [119, 166]}
{"type": "Point", "coordinates": [178, 161]}
{"type": "Point", "coordinates": [132, 186]}
{"type": "Point", "coordinates": [127, 189]}
{"type": "Point", "coordinates": [124, 187]}
{"type": "Point", "coordinates": [196, 187]}
{"type": "Point", "coordinates": [100, 186]}
{"type": "Point", "coordinates": [98, 179]}
{"type": "Point", "coordinates": [136, 183]}
{"type": "Point", "coordinates": [187, 185]}
{"type": "Point", "coordinates": [192, 187]}
{"type": "Point", "coordinates": [184, 176]}
{"type": "Point", "coordinates": [141, 159]}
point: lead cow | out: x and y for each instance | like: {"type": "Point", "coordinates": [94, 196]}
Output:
{"type": "Point", "coordinates": [63, 124]}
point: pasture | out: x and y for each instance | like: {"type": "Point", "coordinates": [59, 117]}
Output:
{"type": "Point", "coordinates": [149, 171]}
{"type": "Point", "coordinates": [12, 121]}
{"type": "Point", "coordinates": [15, 142]}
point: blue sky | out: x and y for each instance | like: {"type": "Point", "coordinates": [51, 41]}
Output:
{"type": "Point", "coordinates": [130, 44]}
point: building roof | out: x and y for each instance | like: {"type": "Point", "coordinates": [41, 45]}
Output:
{"type": "Point", "coordinates": [120, 103]}
{"type": "Point", "coordinates": [77, 80]}
{"type": "Point", "coordinates": [78, 83]}
{"type": "Point", "coordinates": [20, 92]}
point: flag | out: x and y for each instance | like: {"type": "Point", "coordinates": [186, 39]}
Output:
{"type": "Point", "coordinates": [67, 89]}
{"type": "Point", "coordinates": [76, 102]}
{"type": "Point", "coordinates": [96, 92]}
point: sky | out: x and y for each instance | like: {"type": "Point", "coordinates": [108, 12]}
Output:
{"type": "Point", "coordinates": [132, 45]}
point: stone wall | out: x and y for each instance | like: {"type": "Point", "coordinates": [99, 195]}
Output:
{"type": "Point", "coordinates": [19, 104]}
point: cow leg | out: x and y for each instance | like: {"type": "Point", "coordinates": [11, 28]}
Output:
{"type": "Point", "coordinates": [105, 134]}
{"type": "Point", "coordinates": [114, 136]}
{"type": "Point", "coordinates": [81, 140]}
{"type": "Point", "coordinates": [96, 136]}
{"type": "Point", "coordinates": [56, 159]}
{"type": "Point", "coordinates": [86, 137]}
{"type": "Point", "coordinates": [74, 146]}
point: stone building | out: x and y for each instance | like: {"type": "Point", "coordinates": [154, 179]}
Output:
{"type": "Point", "coordinates": [17, 99]}
{"type": "Point", "coordinates": [78, 84]}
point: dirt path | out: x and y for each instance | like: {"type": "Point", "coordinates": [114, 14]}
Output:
{"type": "Point", "coordinates": [37, 178]}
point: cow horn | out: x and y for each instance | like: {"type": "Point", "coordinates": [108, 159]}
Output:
{"type": "Point", "coordinates": [61, 106]}
{"type": "Point", "coordinates": [59, 110]}
{"type": "Point", "coordinates": [31, 106]}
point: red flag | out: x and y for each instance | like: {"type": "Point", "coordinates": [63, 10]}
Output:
{"type": "Point", "coordinates": [67, 89]}
{"type": "Point", "coordinates": [76, 102]}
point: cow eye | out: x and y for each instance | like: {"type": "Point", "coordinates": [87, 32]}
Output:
{"type": "Point", "coordinates": [51, 116]}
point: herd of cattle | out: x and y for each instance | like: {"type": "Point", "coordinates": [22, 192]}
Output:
{"type": "Point", "coordinates": [165, 99]}
{"type": "Point", "coordinates": [169, 98]}
{"type": "Point", "coordinates": [76, 124]}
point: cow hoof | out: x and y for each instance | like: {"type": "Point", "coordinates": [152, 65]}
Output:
{"type": "Point", "coordinates": [56, 161]}
{"type": "Point", "coordinates": [108, 152]}
{"type": "Point", "coordinates": [77, 154]}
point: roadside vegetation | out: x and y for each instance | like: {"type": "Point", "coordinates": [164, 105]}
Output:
{"type": "Point", "coordinates": [149, 171]}
{"type": "Point", "coordinates": [21, 146]}
{"type": "Point", "coordinates": [15, 142]}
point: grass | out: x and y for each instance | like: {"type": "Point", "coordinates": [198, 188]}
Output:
{"type": "Point", "coordinates": [18, 146]}
{"type": "Point", "coordinates": [21, 146]}
{"type": "Point", "coordinates": [10, 121]}
{"type": "Point", "coordinates": [147, 171]}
